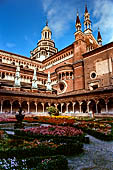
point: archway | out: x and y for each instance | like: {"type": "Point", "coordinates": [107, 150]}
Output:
{"type": "Point", "coordinates": [45, 107]}
{"type": "Point", "coordinates": [101, 106]}
{"type": "Point", "coordinates": [92, 106]}
{"type": "Point", "coordinates": [76, 107]}
{"type": "Point", "coordinates": [84, 106]}
{"type": "Point", "coordinates": [15, 106]}
{"type": "Point", "coordinates": [6, 108]}
{"type": "Point", "coordinates": [64, 108]}
{"type": "Point", "coordinates": [110, 105]}
{"type": "Point", "coordinates": [32, 107]}
{"type": "Point", "coordinates": [70, 107]}
{"type": "Point", "coordinates": [24, 106]}
{"type": "Point", "coordinates": [39, 108]}
{"type": "Point", "coordinates": [53, 104]}
{"type": "Point", "coordinates": [59, 107]}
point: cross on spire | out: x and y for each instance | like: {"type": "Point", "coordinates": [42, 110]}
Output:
{"type": "Point", "coordinates": [46, 22]}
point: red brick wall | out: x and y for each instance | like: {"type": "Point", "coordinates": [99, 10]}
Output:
{"type": "Point", "coordinates": [90, 66]}
{"type": "Point", "coordinates": [52, 69]}
{"type": "Point", "coordinates": [79, 49]}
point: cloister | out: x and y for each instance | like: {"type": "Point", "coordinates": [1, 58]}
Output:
{"type": "Point", "coordinates": [74, 107]}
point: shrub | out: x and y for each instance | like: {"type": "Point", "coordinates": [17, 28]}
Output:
{"type": "Point", "coordinates": [52, 111]}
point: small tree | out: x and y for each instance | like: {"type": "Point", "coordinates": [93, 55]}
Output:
{"type": "Point", "coordinates": [52, 111]}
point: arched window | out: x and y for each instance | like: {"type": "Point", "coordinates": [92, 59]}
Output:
{"type": "Point", "coordinates": [3, 75]}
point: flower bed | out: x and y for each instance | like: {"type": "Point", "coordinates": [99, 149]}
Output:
{"type": "Point", "coordinates": [54, 131]}
{"type": "Point", "coordinates": [98, 128]}
{"type": "Point", "coordinates": [41, 142]}
{"type": "Point", "coordinates": [53, 120]}
{"type": "Point", "coordinates": [6, 120]}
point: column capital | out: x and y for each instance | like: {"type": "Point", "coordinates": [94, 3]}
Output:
{"type": "Point", "coordinates": [74, 103]}
{"type": "Point", "coordinates": [11, 102]}
{"type": "Point", "coordinates": [97, 102]}
{"type": "Point", "coordinates": [28, 103]}
{"type": "Point", "coordinates": [80, 103]}
{"type": "Point", "coordinates": [62, 104]}
{"type": "Point", "coordinates": [35, 103]}
{"type": "Point", "coordinates": [88, 103]}
{"type": "Point", "coordinates": [67, 104]}
{"type": "Point", "coordinates": [42, 104]}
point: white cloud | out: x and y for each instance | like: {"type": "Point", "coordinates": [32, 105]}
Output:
{"type": "Point", "coordinates": [103, 12]}
{"type": "Point", "coordinates": [60, 15]}
{"type": "Point", "coordinates": [10, 45]}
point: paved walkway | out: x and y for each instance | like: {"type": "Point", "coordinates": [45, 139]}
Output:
{"type": "Point", "coordinates": [98, 155]}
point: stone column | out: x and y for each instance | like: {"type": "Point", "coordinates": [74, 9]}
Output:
{"type": "Point", "coordinates": [67, 107]}
{"type": "Point", "coordinates": [56, 105]}
{"type": "Point", "coordinates": [28, 105]}
{"type": "Point", "coordinates": [11, 107]}
{"type": "Point", "coordinates": [20, 104]}
{"type": "Point", "coordinates": [106, 107]}
{"type": "Point", "coordinates": [1, 106]}
{"type": "Point", "coordinates": [49, 104]}
{"type": "Point", "coordinates": [80, 104]}
{"type": "Point", "coordinates": [43, 106]}
{"type": "Point", "coordinates": [74, 106]}
{"type": "Point", "coordinates": [88, 106]}
{"type": "Point", "coordinates": [97, 107]}
{"type": "Point", "coordinates": [61, 106]}
{"type": "Point", "coordinates": [36, 106]}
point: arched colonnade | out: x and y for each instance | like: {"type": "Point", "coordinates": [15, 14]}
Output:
{"type": "Point", "coordinates": [76, 107]}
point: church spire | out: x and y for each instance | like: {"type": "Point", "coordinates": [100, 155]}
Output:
{"type": "Point", "coordinates": [87, 21]}
{"type": "Point", "coordinates": [86, 10]}
{"type": "Point", "coordinates": [78, 24]}
{"type": "Point", "coordinates": [99, 38]}
{"type": "Point", "coordinates": [46, 22]}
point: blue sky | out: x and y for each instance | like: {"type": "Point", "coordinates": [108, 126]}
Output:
{"type": "Point", "coordinates": [21, 22]}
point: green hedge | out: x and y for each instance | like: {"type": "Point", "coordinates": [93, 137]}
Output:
{"type": "Point", "coordinates": [24, 152]}
{"type": "Point", "coordinates": [36, 163]}
{"type": "Point", "coordinates": [99, 135]}
{"type": "Point", "coordinates": [41, 150]}
{"type": "Point", "coordinates": [96, 134]}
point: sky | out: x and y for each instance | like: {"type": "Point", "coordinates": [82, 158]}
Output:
{"type": "Point", "coordinates": [21, 22]}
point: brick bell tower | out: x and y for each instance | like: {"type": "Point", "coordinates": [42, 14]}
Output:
{"type": "Point", "coordinates": [79, 49]}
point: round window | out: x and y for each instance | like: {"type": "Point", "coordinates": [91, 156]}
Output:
{"type": "Point", "coordinates": [61, 86]}
{"type": "Point", "coordinates": [93, 75]}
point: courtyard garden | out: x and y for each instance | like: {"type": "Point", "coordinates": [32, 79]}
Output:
{"type": "Point", "coordinates": [48, 142]}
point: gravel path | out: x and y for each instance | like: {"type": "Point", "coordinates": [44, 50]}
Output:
{"type": "Point", "coordinates": [98, 155]}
